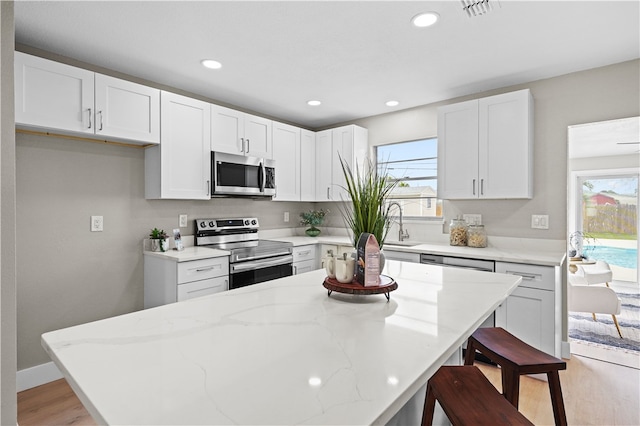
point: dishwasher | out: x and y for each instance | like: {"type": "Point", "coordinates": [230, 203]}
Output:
{"type": "Point", "coordinates": [464, 263]}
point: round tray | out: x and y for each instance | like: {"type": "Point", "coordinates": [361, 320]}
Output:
{"type": "Point", "coordinates": [387, 285]}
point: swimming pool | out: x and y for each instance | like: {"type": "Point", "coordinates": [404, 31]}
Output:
{"type": "Point", "coordinates": [624, 257]}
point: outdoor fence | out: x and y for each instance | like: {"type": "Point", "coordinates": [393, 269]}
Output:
{"type": "Point", "coordinates": [615, 219]}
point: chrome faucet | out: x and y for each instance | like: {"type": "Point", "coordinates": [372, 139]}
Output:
{"type": "Point", "coordinates": [402, 234]}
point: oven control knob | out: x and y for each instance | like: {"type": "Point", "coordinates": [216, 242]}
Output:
{"type": "Point", "coordinates": [246, 222]}
{"type": "Point", "coordinates": [253, 222]}
{"type": "Point", "coordinates": [211, 224]}
{"type": "Point", "coordinates": [203, 224]}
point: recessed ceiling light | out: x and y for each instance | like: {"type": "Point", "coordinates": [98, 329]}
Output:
{"type": "Point", "coordinates": [210, 63]}
{"type": "Point", "coordinates": [425, 19]}
{"type": "Point", "coordinates": [392, 103]}
{"type": "Point", "coordinates": [314, 103]}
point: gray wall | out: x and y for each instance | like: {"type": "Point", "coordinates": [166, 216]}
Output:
{"type": "Point", "coordinates": [68, 275]}
{"type": "Point", "coordinates": [594, 95]}
{"type": "Point", "coordinates": [7, 221]}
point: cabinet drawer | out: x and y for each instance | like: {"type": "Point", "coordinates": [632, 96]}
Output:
{"type": "Point", "coordinates": [202, 288]}
{"type": "Point", "coordinates": [533, 276]}
{"type": "Point", "coordinates": [402, 255]}
{"type": "Point", "coordinates": [304, 253]}
{"type": "Point", "coordinates": [202, 269]}
{"type": "Point", "coordinates": [304, 266]}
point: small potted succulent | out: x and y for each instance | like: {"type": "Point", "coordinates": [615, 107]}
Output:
{"type": "Point", "coordinates": [159, 240]}
{"type": "Point", "coordinates": [313, 218]}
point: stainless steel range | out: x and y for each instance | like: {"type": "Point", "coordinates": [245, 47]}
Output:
{"type": "Point", "coordinates": [252, 260]}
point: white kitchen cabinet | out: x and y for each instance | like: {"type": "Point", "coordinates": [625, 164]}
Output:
{"type": "Point", "coordinates": [286, 153]}
{"type": "Point", "coordinates": [54, 96]}
{"type": "Point", "coordinates": [236, 132]}
{"type": "Point", "coordinates": [485, 148]}
{"type": "Point", "coordinates": [403, 256]}
{"type": "Point", "coordinates": [529, 313]}
{"type": "Point", "coordinates": [180, 167]}
{"type": "Point", "coordinates": [337, 250]}
{"type": "Point", "coordinates": [304, 259]}
{"type": "Point", "coordinates": [168, 281]}
{"type": "Point", "coordinates": [347, 142]}
{"type": "Point", "coordinates": [307, 165]}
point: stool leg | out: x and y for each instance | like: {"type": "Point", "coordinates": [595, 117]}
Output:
{"type": "Point", "coordinates": [556, 398]}
{"type": "Point", "coordinates": [429, 407]}
{"type": "Point", "coordinates": [615, 321]}
{"type": "Point", "coordinates": [470, 354]}
{"type": "Point", "coordinates": [511, 385]}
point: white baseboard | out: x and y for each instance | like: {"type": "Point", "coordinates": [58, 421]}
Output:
{"type": "Point", "coordinates": [565, 350]}
{"type": "Point", "coordinates": [36, 376]}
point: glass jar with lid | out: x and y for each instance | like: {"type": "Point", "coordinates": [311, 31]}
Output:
{"type": "Point", "coordinates": [458, 232]}
{"type": "Point", "coordinates": [477, 236]}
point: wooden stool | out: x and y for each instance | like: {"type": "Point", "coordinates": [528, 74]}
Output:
{"type": "Point", "coordinates": [468, 398]}
{"type": "Point", "coordinates": [515, 357]}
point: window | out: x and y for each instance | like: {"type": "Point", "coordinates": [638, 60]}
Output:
{"type": "Point", "coordinates": [414, 165]}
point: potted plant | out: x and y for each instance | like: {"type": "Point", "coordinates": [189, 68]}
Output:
{"type": "Point", "coordinates": [369, 190]}
{"type": "Point", "coordinates": [577, 241]}
{"type": "Point", "coordinates": [313, 218]}
{"type": "Point", "coordinates": [159, 240]}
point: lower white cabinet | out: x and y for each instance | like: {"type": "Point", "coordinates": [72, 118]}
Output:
{"type": "Point", "coordinates": [169, 281]}
{"type": "Point", "coordinates": [401, 255]}
{"type": "Point", "coordinates": [529, 313]}
{"type": "Point", "coordinates": [304, 259]}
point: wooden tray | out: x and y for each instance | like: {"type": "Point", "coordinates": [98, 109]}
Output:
{"type": "Point", "coordinates": [387, 285]}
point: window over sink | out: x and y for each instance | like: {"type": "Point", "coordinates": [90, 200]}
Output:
{"type": "Point", "coordinates": [414, 164]}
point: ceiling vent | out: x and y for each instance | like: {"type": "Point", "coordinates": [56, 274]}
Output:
{"type": "Point", "coordinates": [479, 7]}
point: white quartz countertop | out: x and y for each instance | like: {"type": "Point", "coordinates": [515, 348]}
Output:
{"type": "Point", "coordinates": [188, 254]}
{"type": "Point", "coordinates": [280, 352]}
{"type": "Point", "coordinates": [516, 251]}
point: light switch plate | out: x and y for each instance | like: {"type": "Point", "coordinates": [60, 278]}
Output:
{"type": "Point", "coordinates": [472, 219]}
{"type": "Point", "coordinates": [286, 216]}
{"type": "Point", "coordinates": [183, 220]}
{"type": "Point", "coordinates": [97, 223]}
{"type": "Point", "coordinates": [540, 221]}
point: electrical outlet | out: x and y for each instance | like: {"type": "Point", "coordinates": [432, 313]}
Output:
{"type": "Point", "coordinates": [286, 216]}
{"type": "Point", "coordinates": [183, 220]}
{"type": "Point", "coordinates": [97, 224]}
{"type": "Point", "coordinates": [540, 221]}
{"type": "Point", "coordinates": [472, 219]}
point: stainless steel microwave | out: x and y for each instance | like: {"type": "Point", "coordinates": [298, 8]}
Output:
{"type": "Point", "coordinates": [241, 175]}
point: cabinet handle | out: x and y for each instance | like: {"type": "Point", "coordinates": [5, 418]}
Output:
{"type": "Point", "coordinates": [208, 187]}
{"type": "Point", "coordinates": [248, 142]}
{"type": "Point", "coordinates": [205, 269]}
{"type": "Point", "coordinates": [304, 253]}
{"type": "Point", "coordinates": [474, 187]}
{"type": "Point", "coordinates": [295, 270]}
{"type": "Point", "coordinates": [100, 112]}
{"type": "Point", "coordinates": [89, 119]}
{"type": "Point", "coordinates": [481, 186]}
{"type": "Point", "coordinates": [327, 192]}
{"type": "Point", "coordinates": [242, 147]}
{"type": "Point", "coordinates": [523, 275]}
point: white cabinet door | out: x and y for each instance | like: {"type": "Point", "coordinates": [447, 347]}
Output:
{"type": "Point", "coordinates": [202, 288]}
{"type": "Point", "coordinates": [126, 110]}
{"type": "Point", "coordinates": [180, 167]}
{"type": "Point", "coordinates": [528, 314]}
{"type": "Point", "coordinates": [236, 132]}
{"type": "Point", "coordinates": [324, 165]}
{"type": "Point", "coordinates": [53, 95]}
{"type": "Point", "coordinates": [485, 148]}
{"type": "Point", "coordinates": [286, 153]}
{"type": "Point", "coordinates": [227, 130]}
{"type": "Point", "coordinates": [505, 145]}
{"type": "Point", "coordinates": [258, 136]}
{"type": "Point", "coordinates": [342, 146]}
{"type": "Point", "coordinates": [458, 150]}
{"type": "Point", "coordinates": [304, 266]}
{"type": "Point", "coordinates": [307, 165]}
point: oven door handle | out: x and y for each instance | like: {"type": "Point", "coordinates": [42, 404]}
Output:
{"type": "Point", "coordinates": [237, 258]}
{"type": "Point", "coordinates": [245, 266]}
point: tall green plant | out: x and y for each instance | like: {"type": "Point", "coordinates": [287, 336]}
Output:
{"type": "Point", "coordinates": [368, 211]}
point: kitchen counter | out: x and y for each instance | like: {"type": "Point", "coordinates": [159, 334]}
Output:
{"type": "Point", "coordinates": [280, 352]}
{"type": "Point", "coordinates": [188, 254]}
{"type": "Point", "coordinates": [512, 250]}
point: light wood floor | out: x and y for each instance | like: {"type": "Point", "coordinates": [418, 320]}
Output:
{"type": "Point", "coordinates": [595, 393]}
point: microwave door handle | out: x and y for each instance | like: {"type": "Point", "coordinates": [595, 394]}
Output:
{"type": "Point", "coordinates": [263, 176]}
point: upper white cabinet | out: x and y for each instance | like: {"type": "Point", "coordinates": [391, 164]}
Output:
{"type": "Point", "coordinates": [57, 96]}
{"type": "Point", "coordinates": [236, 132]}
{"type": "Point", "coordinates": [286, 153]}
{"type": "Point", "coordinates": [347, 142]}
{"type": "Point", "coordinates": [485, 148]}
{"type": "Point", "coordinates": [180, 167]}
{"type": "Point", "coordinates": [307, 165]}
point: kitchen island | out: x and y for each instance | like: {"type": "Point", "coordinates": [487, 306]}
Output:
{"type": "Point", "coordinates": [280, 352]}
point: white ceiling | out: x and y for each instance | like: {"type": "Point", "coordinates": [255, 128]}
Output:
{"type": "Point", "coordinates": [352, 55]}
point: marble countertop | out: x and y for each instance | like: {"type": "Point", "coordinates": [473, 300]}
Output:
{"type": "Point", "coordinates": [188, 254]}
{"type": "Point", "coordinates": [279, 352]}
{"type": "Point", "coordinates": [525, 252]}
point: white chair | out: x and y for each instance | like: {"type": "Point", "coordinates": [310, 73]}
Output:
{"type": "Point", "coordinates": [583, 297]}
{"type": "Point", "coordinates": [597, 273]}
